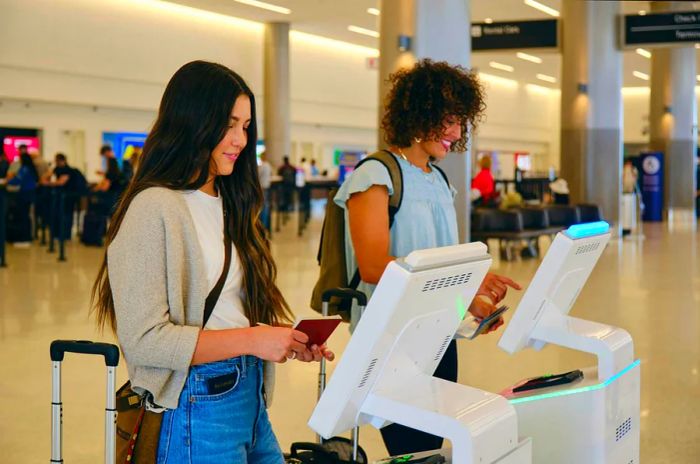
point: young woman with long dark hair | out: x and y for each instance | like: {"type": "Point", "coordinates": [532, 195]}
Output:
{"type": "Point", "coordinates": [196, 183]}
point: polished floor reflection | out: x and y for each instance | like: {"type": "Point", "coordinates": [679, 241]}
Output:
{"type": "Point", "coordinates": [650, 287]}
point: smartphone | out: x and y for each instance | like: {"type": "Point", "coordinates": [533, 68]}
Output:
{"type": "Point", "coordinates": [488, 322]}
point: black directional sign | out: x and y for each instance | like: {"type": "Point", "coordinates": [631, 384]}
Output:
{"type": "Point", "coordinates": [666, 28]}
{"type": "Point", "coordinates": [514, 34]}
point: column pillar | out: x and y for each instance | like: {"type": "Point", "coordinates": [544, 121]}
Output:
{"type": "Point", "coordinates": [673, 118]}
{"type": "Point", "coordinates": [397, 18]}
{"type": "Point", "coordinates": [276, 88]}
{"type": "Point", "coordinates": [591, 106]}
{"type": "Point", "coordinates": [440, 31]}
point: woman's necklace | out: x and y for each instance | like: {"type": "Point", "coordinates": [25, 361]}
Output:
{"type": "Point", "coordinates": [401, 154]}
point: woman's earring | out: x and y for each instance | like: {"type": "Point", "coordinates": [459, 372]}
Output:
{"type": "Point", "coordinates": [417, 140]}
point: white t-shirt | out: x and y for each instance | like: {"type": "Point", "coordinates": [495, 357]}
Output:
{"type": "Point", "coordinates": [207, 214]}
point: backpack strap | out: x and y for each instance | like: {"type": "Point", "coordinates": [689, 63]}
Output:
{"type": "Point", "coordinates": [392, 165]}
{"type": "Point", "coordinates": [442, 173]}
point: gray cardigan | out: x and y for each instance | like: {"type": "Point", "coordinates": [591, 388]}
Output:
{"type": "Point", "coordinates": [157, 273]}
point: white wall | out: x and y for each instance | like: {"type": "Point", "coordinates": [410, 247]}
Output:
{"type": "Point", "coordinates": [67, 58]}
{"type": "Point", "coordinates": [520, 118]}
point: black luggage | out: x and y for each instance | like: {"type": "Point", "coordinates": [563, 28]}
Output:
{"type": "Point", "coordinates": [94, 228]}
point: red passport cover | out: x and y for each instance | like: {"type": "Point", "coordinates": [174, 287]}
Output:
{"type": "Point", "coordinates": [318, 330]}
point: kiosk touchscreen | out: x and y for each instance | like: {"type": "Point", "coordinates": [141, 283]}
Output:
{"type": "Point", "coordinates": [385, 373]}
{"type": "Point", "coordinates": [584, 416]}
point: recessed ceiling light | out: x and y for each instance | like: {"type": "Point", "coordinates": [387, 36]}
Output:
{"type": "Point", "coordinates": [265, 6]}
{"type": "Point", "coordinates": [697, 45]}
{"type": "Point", "coordinates": [373, 11]}
{"type": "Point", "coordinates": [501, 66]}
{"type": "Point", "coordinates": [698, 77]}
{"type": "Point", "coordinates": [642, 13]}
{"type": "Point", "coordinates": [546, 78]}
{"type": "Point", "coordinates": [640, 75]}
{"type": "Point", "coordinates": [643, 52]}
{"type": "Point", "coordinates": [543, 8]}
{"type": "Point", "coordinates": [488, 21]}
{"type": "Point", "coordinates": [531, 58]}
{"type": "Point", "coordinates": [363, 31]}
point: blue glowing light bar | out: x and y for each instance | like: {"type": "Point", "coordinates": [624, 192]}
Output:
{"type": "Point", "coordinates": [587, 230]}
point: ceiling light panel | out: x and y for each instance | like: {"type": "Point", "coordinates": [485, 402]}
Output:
{"type": "Point", "coordinates": [373, 11]}
{"type": "Point", "coordinates": [363, 31]}
{"type": "Point", "coordinates": [265, 6]}
{"type": "Point", "coordinates": [643, 52]}
{"type": "Point", "coordinates": [530, 58]}
{"type": "Point", "coordinates": [640, 75]}
{"type": "Point", "coordinates": [501, 66]}
{"type": "Point", "coordinates": [546, 78]}
{"type": "Point", "coordinates": [542, 7]}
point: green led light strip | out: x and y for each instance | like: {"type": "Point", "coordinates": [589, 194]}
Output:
{"type": "Point", "coordinates": [461, 307]}
{"type": "Point", "coordinates": [577, 390]}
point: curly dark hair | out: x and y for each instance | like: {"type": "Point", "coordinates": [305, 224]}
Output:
{"type": "Point", "coordinates": [423, 96]}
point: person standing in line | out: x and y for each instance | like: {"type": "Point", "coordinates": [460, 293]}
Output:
{"type": "Point", "coordinates": [24, 184]}
{"type": "Point", "coordinates": [4, 163]}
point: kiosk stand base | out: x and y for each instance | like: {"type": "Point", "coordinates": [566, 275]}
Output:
{"type": "Point", "coordinates": [585, 422]}
{"type": "Point", "coordinates": [481, 426]}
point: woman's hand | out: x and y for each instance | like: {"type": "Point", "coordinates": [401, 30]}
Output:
{"type": "Point", "coordinates": [496, 286]}
{"type": "Point", "coordinates": [482, 308]}
{"type": "Point", "coordinates": [280, 343]}
{"type": "Point", "coordinates": [316, 353]}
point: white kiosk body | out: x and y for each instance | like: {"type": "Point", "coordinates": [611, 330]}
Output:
{"type": "Point", "coordinates": [385, 373]}
{"type": "Point", "coordinates": [594, 420]}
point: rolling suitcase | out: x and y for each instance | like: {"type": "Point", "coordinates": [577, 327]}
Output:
{"type": "Point", "coordinates": [335, 450]}
{"type": "Point", "coordinates": [94, 228]}
{"type": "Point", "coordinates": [111, 354]}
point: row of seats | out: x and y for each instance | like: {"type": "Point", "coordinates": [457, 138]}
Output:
{"type": "Point", "coordinates": [527, 224]}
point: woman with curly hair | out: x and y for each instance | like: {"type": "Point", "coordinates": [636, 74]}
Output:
{"type": "Point", "coordinates": [428, 113]}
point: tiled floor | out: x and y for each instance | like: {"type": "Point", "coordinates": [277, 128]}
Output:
{"type": "Point", "coordinates": [650, 287]}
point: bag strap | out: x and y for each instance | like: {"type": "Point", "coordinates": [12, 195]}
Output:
{"type": "Point", "coordinates": [215, 292]}
{"type": "Point", "coordinates": [442, 173]}
{"type": "Point", "coordinates": [127, 398]}
{"type": "Point", "coordinates": [392, 165]}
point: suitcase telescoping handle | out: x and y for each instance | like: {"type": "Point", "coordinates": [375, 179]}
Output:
{"type": "Point", "coordinates": [343, 294]}
{"type": "Point", "coordinates": [111, 355]}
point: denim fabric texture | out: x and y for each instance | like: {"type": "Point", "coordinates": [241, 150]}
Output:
{"type": "Point", "coordinates": [227, 427]}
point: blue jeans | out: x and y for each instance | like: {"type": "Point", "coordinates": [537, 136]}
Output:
{"type": "Point", "coordinates": [225, 427]}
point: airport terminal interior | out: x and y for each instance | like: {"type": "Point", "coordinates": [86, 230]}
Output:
{"type": "Point", "coordinates": [589, 135]}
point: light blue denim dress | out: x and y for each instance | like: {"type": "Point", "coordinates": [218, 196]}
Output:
{"type": "Point", "coordinates": [426, 219]}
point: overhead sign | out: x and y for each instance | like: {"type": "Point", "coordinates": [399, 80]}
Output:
{"type": "Point", "coordinates": [515, 34]}
{"type": "Point", "coordinates": [666, 28]}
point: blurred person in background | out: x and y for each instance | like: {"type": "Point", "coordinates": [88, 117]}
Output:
{"type": "Point", "coordinates": [4, 163]}
{"type": "Point", "coordinates": [265, 175]}
{"type": "Point", "coordinates": [485, 183]}
{"type": "Point", "coordinates": [23, 184]}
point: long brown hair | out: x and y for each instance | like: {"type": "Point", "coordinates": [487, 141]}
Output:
{"type": "Point", "coordinates": [193, 118]}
